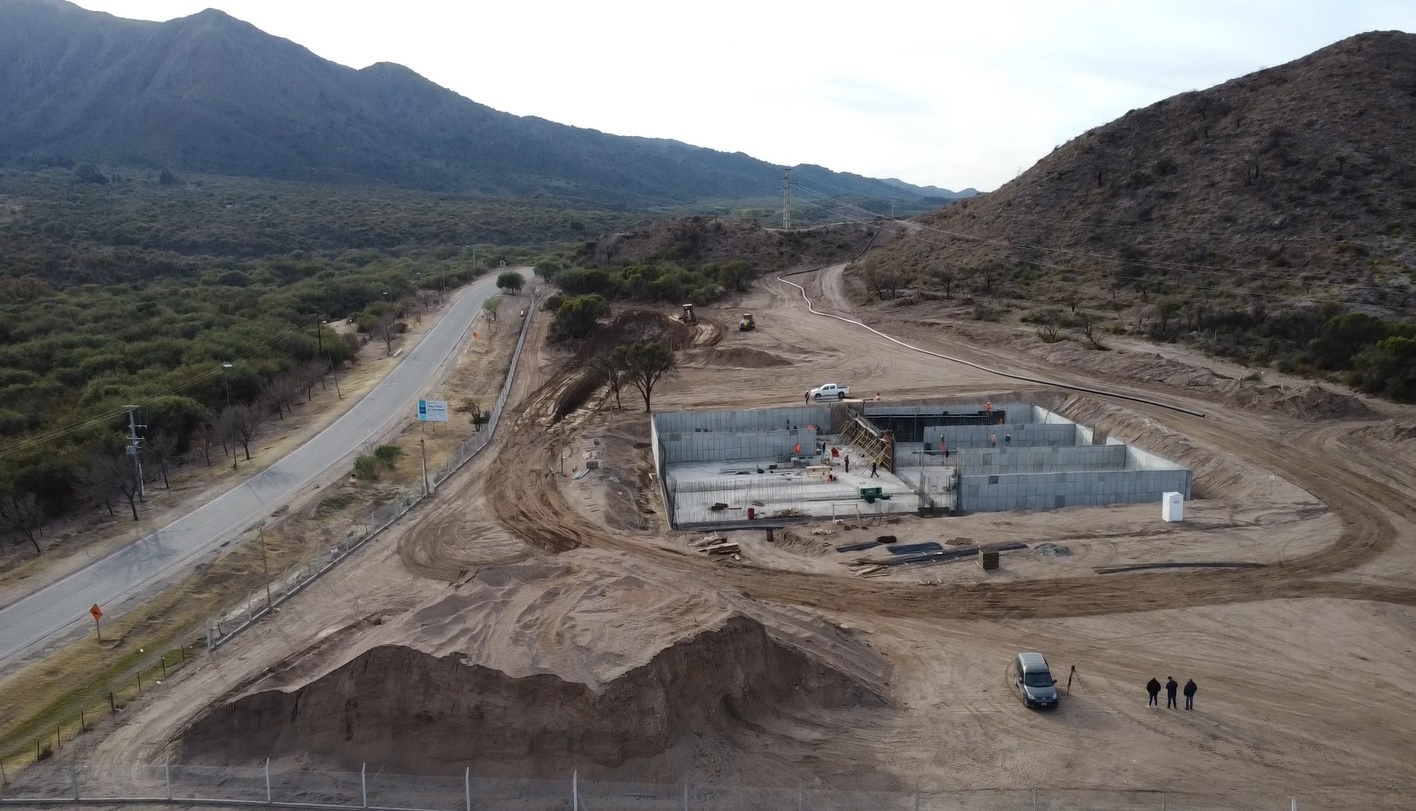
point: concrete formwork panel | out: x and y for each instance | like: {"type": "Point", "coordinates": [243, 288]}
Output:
{"type": "Point", "coordinates": [1045, 491]}
{"type": "Point", "coordinates": [724, 446]}
{"type": "Point", "coordinates": [977, 436]}
{"type": "Point", "coordinates": [1042, 459]}
{"type": "Point", "coordinates": [766, 419]}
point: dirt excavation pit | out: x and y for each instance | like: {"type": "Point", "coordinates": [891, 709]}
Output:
{"type": "Point", "coordinates": [468, 681]}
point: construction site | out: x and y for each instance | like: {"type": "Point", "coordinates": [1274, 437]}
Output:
{"type": "Point", "coordinates": [686, 606]}
{"type": "Point", "coordinates": [720, 469]}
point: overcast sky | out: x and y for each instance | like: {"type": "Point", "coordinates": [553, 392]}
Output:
{"type": "Point", "coordinates": [937, 92]}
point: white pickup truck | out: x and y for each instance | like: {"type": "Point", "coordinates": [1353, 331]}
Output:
{"type": "Point", "coordinates": [830, 391]}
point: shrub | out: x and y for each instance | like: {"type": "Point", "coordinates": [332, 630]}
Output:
{"type": "Point", "coordinates": [388, 454]}
{"type": "Point", "coordinates": [367, 467]}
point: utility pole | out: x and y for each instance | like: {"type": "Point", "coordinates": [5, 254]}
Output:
{"type": "Point", "coordinates": [265, 567]}
{"type": "Point", "coordinates": [787, 202]}
{"type": "Point", "coordinates": [319, 331]}
{"type": "Point", "coordinates": [226, 379]}
{"type": "Point", "coordinates": [134, 442]}
{"type": "Point", "coordinates": [424, 448]}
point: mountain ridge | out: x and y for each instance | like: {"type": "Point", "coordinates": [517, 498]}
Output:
{"type": "Point", "coordinates": [210, 93]}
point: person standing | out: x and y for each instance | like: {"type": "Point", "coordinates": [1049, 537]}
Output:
{"type": "Point", "coordinates": [808, 398]}
{"type": "Point", "coordinates": [873, 474]}
{"type": "Point", "coordinates": [1171, 685]}
{"type": "Point", "coordinates": [1190, 690]}
{"type": "Point", "coordinates": [992, 440]}
{"type": "Point", "coordinates": [1153, 689]}
{"type": "Point", "coordinates": [848, 463]}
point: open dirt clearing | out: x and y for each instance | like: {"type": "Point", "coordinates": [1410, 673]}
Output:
{"type": "Point", "coordinates": [537, 587]}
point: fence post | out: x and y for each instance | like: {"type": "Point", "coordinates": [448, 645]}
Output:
{"type": "Point", "coordinates": [83, 725]}
{"type": "Point", "coordinates": [574, 791]}
{"type": "Point", "coordinates": [1164, 801]}
{"type": "Point", "coordinates": [801, 797]}
{"type": "Point", "coordinates": [74, 777]}
{"type": "Point", "coordinates": [364, 783]}
{"type": "Point", "coordinates": [167, 776]}
{"type": "Point", "coordinates": [916, 796]}
{"type": "Point", "coordinates": [1034, 799]}
{"type": "Point", "coordinates": [268, 797]}
{"type": "Point", "coordinates": [467, 786]}
{"type": "Point", "coordinates": [685, 796]}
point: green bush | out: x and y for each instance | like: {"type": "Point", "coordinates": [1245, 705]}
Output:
{"type": "Point", "coordinates": [367, 467]}
{"type": "Point", "coordinates": [388, 454]}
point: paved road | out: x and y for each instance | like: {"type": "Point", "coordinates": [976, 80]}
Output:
{"type": "Point", "coordinates": [55, 608]}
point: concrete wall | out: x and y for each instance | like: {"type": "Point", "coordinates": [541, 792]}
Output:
{"type": "Point", "coordinates": [1042, 459]}
{"type": "Point", "coordinates": [724, 446]}
{"type": "Point", "coordinates": [1024, 434]}
{"type": "Point", "coordinates": [766, 419]}
{"type": "Point", "coordinates": [1046, 491]}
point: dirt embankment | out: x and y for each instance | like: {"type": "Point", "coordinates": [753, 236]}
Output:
{"type": "Point", "coordinates": [446, 714]}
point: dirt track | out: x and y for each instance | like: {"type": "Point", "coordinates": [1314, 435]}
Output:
{"type": "Point", "coordinates": [1304, 664]}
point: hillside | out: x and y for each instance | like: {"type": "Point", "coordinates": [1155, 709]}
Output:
{"type": "Point", "coordinates": [1292, 185]}
{"type": "Point", "coordinates": [209, 93]}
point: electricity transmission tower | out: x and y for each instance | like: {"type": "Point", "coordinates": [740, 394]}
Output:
{"type": "Point", "coordinates": [787, 202]}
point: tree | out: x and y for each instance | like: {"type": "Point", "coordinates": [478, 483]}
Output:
{"type": "Point", "coordinates": [243, 424]}
{"type": "Point", "coordinates": [107, 475]}
{"type": "Point", "coordinates": [491, 305]}
{"type": "Point", "coordinates": [384, 328]}
{"type": "Point", "coordinates": [511, 281]}
{"type": "Point", "coordinates": [1047, 324]}
{"type": "Point", "coordinates": [161, 448]}
{"type": "Point", "coordinates": [166, 178]}
{"type": "Point", "coordinates": [883, 281]}
{"type": "Point", "coordinates": [576, 316]}
{"type": "Point", "coordinates": [310, 373]}
{"type": "Point", "coordinates": [609, 367]}
{"type": "Point", "coordinates": [23, 514]}
{"type": "Point", "coordinates": [281, 392]}
{"type": "Point", "coordinates": [947, 278]}
{"type": "Point", "coordinates": [547, 270]}
{"type": "Point", "coordinates": [1165, 309]}
{"type": "Point", "coordinates": [475, 414]}
{"type": "Point", "coordinates": [645, 364]}
{"type": "Point", "coordinates": [88, 173]}
{"type": "Point", "coordinates": [202, 440]}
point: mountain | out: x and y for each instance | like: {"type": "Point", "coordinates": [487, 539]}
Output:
{"type": "Point", "coordinates": [1295, 184]}
{"type": "Point", "coordinates": [933, 191]}
{"type": "Point", "coordinates": [211, 94]}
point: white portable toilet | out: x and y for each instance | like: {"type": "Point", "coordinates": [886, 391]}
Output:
{"type": "Point", "coordinates": [1172, 507]}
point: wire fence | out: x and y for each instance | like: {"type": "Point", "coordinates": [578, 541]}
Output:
{"type": "Point", "coordinates": [280, 785]}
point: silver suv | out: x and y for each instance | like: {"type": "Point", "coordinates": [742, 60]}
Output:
{"type": "Point", "coordinates": [1032, 678]}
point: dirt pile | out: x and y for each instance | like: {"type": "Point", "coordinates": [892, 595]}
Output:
{"type": "Point", "coordinates": [1307, 402]}
{"type": "Point", "coordinates": [404, 709]}
{"type": "Point", "coordinates": [538, 668]}
{"type": "Point", "coordinates": [734, 358]}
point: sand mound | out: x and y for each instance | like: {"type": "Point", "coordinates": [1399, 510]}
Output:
{"type": "Point", "coordinates": [404, 709]}
{"type": "Point", "coordinates": [536, 668]}
{"type": "Point", "coordinates": [735, 358]}
{"type": "Point", "coordinates": [1307, 402]}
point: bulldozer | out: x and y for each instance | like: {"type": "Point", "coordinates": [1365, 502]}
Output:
{"type": "Point", "coordinates": [688, 316]}
{"type": "Point", "coordinates": [747, 324]}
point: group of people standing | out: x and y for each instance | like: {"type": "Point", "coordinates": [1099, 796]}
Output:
{"type": "Point", "coordinates": [1171, 688]}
